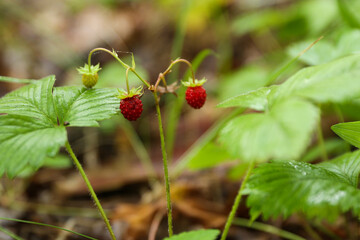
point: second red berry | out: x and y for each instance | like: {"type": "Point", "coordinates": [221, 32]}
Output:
{"type": "Point", "coordinates": [131, 107]}
{"type": "Point", "coordinates": [196, 96]}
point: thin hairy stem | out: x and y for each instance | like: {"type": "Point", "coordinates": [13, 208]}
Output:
{"type": "Point", "coordinates": [165, 162]}
{"type": "Point", "coordinates": [237, 202]}
{"type": "Point", "coordinates": [127, 80]}
{"type": "Point", "coordinates": [188, 63]}
{"type": "Point", "coordinates": [92, 192]}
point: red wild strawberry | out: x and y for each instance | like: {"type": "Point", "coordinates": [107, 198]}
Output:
{"type": "Point", "coordinates": [130, 105]}
{"type": "Point", "coordinates": [195, 93]}
{"type": "Point", "coordinates": [195, 96]}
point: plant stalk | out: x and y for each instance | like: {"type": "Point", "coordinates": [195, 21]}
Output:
{"type": "Point", "coordinates": [10, 234]}
{"type": "Point", "coordinates": [165, 162]}
{"type": "Point", "coordinates": [119, 60]}
{"type": "Point", "coordinates": [321, 141]}
{"type": "Point", "coordinates": [237, 202]}
{"type": "Point", "coordinates": [266, 228]}
{"type": "Point", "coordinates": [92, 192]}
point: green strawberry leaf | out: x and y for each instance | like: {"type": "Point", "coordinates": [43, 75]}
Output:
{"type": "Point", "coordinates": [78, 106]}
{"type": "Point", "coordinates": [337, 81]}
{"type": "Point", "coordinates": [284, 132]}
{"type": "Point", "coordinates": [257, 99]}
{"type": "Point", "coordinates": [206, 234]}
{"type": "Point", "coordinates": [347, 166]}
{"type": "Point", "coordinates": [320, 191]}
{"type": "Point", "coordinates": [326, 51]}
{"type": "Point", "coordinates": [246, 79]}
{"type": "Point", "coordinates": [33, 100]}
{"type": "Point", "coordinates": [27, 141]}
{"type": "Point", "coordinates": [349, 131]}
{"type": "Point", "coordinates": [321, 52]}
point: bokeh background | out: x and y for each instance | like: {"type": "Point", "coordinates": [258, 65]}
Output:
{"type": "Point", "coordinates": [247, 40]}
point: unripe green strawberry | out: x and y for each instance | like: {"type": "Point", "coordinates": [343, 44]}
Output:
{"type": "Point", "coordinates": [89, 80]}
{"type": "Point", "coordinates": [89, 75]}
{"type": "Point", "coordinates": [195, 94]}
{"type": "Point", "coordinates": [130, 104]}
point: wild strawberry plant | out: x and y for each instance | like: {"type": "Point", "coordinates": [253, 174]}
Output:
{"type": "Point", "coordinates": [35, 117]}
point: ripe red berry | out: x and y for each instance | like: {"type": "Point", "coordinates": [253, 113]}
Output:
{"type": "Point", "coordinates": [196, 96]}
{"type": "Point", "coordinates": [131, 107]}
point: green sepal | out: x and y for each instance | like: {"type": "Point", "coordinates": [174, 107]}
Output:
{"type": "Point", "coordinates": [89, 71]}
{"type": "Point", "coordinates": [133, 92]}
{"type": "Point", "coordinates": [195, 83]}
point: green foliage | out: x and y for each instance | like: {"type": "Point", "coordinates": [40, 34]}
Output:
{"type": "Point", "coordinates": [330, 82]}
{"type": "Point", "coordinates": [320, 191]}
{"type": "Point", "coordinates": [84, 107]}
{"type": "Point", "coordinates": [348, 10]}
{"type": "Point", "coordinates": [244, 80]}
{"type": "Point", "coordinates": [332, 146]}
{"type": "Point", "coordinates": [337, 81]}
{"type": "Point", "coordinates": [283, 132]}
{"type": "Point", "coordinates": [27, 141]}
{"type": "Point", "coordinates": [208, 234]}
{"type": "Point", "coordinates": [209, 156]}
{"type": "Point", "coordinates": [349, 131]}
{"type": "Point", "coordinates": [57, 162]}
{"type": "Point", "coordinates": [33, 127]}
{"type": "Point", "coordinates": [34, 101]}
{"type": "Point", "coordinates": [325, 50]}
{"type": "Point", "coordinates": [301, 18]}
{"type": "Point", "coordinates": [257, 99]}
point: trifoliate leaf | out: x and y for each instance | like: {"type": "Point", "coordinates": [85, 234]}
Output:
{"type": "Point", "coordinates": [318, 191]}
{"type": "Point", "coordinates": [349, 131]}
{"type": "Point", "coordinates": [336, 81]}
{"type": "Point", "coordinates": [33, 100]}
{"type": "Point", "coordinates": [257, 99]}
{"type": "Point", "coordinates": [27, 141]}
{"type": "Point", "coordinates": [77, 106]}
{"type": "Point", "coordinates": [282, 133]}
{"type": "Point", "coordinates": [208, 234]}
